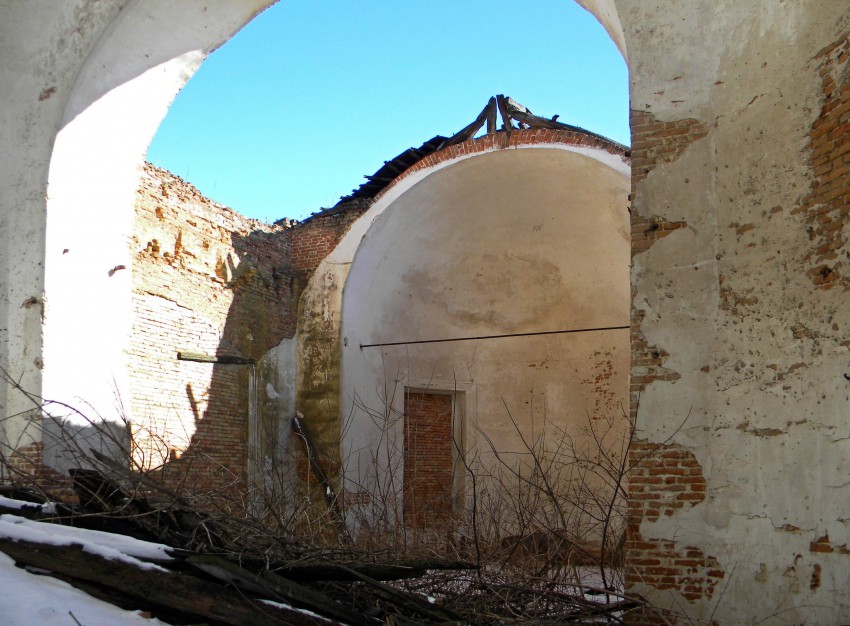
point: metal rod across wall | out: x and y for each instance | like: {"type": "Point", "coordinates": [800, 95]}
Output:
{"type": "Point", "coordinates": [544, 332]}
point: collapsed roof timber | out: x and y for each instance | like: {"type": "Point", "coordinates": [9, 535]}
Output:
{"type": "Point", "coordinates": [509, 110]}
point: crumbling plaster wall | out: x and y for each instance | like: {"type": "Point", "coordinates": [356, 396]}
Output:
{"type": "Point", "coordinates": [739, 313]}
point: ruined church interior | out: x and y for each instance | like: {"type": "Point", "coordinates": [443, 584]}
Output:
{"type": "Point", "coordinates": [524, 337]}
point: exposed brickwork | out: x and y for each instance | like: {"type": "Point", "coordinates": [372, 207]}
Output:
{"type": "Point", "coordinates": [825, 209]}
{"type": "Point", "coordinates": [427, 458]}
{"type": "Point", "coordinates": [645, 232]}
{"type": "Point", "coordinates": [824, 545]}
{"type": "Point", "coordinates": [664, 479]}
{"type": "Point", "coordinates": [317, 236]}
{"type": "Point", "coordinates": [26, 460]}
{"type": "Point", "coordinates": [655, 142]}
{"type": "Point", "coordinates": [501, 140]}
{"type": "Point", "coordinates": [210, 281]}
{"type": "Point", "coordinates": [647, 363]}
{"type": "Point", "coordinates": [25, 468]}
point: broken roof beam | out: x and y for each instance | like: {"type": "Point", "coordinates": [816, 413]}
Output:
{"type": "Point", "coordinates": [505, 113]}
{"type": "Point", "coordinates": [491, 116]}
{"type": "Point", "coordinates": [468, 132]}
{"type": "Point", "coordinates": [522, 115]}
{"type": "Point", "coordinates": [334, 508]}
{"type": "Point", "coordinates": [535, 121]}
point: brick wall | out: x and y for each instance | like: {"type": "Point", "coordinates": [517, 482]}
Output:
{"type": "Point", "coordinates": [428, 468]}
{"type": "Point", "coordinates": [826, 208]}
{"type": "Point", "coordinates": [318, 235]}
{"type": "Point", "coordinates": [663, 480]}
{"type": "Point", "coordinates": [209, 281]}
{"type": "Point", "coordinates": [25, 468]}
{"type": "Point", "coordinates": [655, 142]}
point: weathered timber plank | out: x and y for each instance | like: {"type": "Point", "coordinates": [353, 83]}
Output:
{"type": "Point", "coordinates": [275, 588]}
{"type": "Point", "coordinates": [155, 586]}
{"type": "Point", "coordinates": [491, 116]}
{"type": "Point", "coordinates": [502, 103]}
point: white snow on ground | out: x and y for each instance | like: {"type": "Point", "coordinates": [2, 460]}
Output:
{"type": "Point", "coordinates": [30, 600]}
{"type": "Point", "coordinates": [46, 509]}
{"type": "Point", "coordinates": [107, 545]}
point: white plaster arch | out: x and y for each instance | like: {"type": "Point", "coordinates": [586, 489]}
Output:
{"type": "Point", "coordinates": [579, 198]}
{"type": "Point", "coordinates": [605, 12]}
{"type": "Point", "coordinates": [89, 83]}
{"type": "Point", "coordinates": [345, 250]}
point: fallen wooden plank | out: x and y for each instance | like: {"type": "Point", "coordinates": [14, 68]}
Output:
{"type": "Point", "coordinates": [414, 603]}
{"type": "Point", "coordinates": [275, 588]}
{"type": "Point", "coordinates": [28, 510]}
{"type": "Point", "coordinates": [331, 570]}
{"type": "Point", "coordinates": [139, 479]}
{"type": "Point", "coordinates": [155, 586]}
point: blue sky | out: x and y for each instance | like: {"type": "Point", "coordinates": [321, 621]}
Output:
{"type": "Point", "coordinates": [291, 113]}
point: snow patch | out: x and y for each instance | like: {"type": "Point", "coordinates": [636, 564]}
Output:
{"type": "Point", "coordinates": [32, 600]}
{"type": "Point", "coordinates": [106, 545]}
{"type": "Point", "coordinates": [46, 509]}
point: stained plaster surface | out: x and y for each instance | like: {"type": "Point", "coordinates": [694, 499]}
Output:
{"type": "Point", "coordinates": [318, 336]}
{"type": "Point", "coordinates": [509, 242]}
{"type": "Point", "coordinates": [758, 347]}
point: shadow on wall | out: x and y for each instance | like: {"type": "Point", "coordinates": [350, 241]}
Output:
{"type": "Point", "coordinates": [211, 358]}
{"type": "Point", "coordinates": [240, 417]}
{"type": "Point", "coordinates": [225, 297]}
